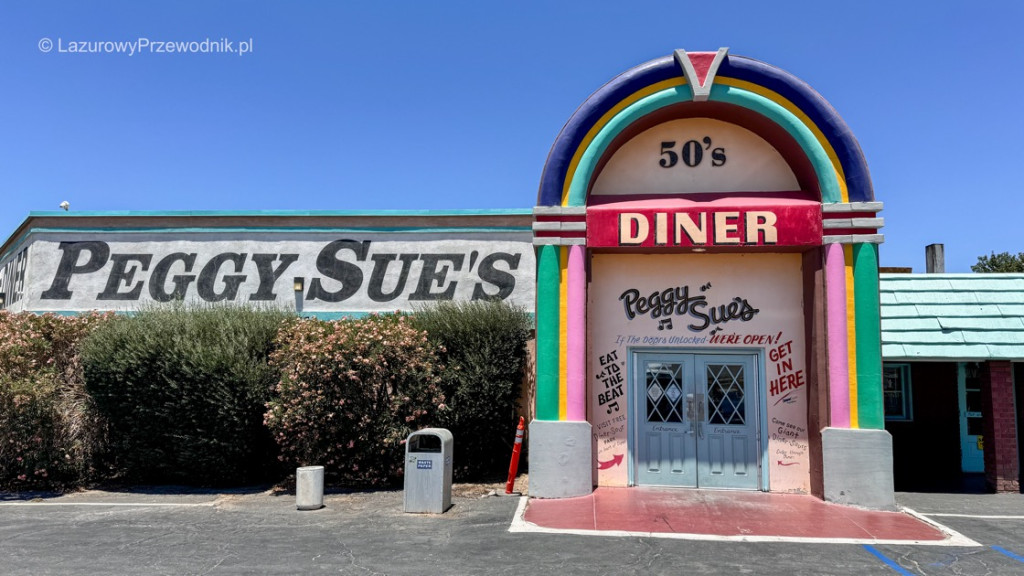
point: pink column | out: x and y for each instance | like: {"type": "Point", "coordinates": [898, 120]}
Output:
{"type": "Point", "coordinates": [576, 336]}
{"type": "Point", "coordinates": [838, 360]}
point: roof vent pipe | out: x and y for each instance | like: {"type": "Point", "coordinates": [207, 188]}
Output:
{"type": "Point", "coordinates": [935, 259]}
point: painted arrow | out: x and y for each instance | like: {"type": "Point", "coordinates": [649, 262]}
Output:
{"type": "Point", "coordinates": [781, 463]}
{"type": "Point", "coordinates": [615, 461]}
{"type": "Point", "coordinates": [788, 399]}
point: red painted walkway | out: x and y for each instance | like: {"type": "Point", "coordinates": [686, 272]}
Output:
{"type": "Point", "coordinates": [733, 515]}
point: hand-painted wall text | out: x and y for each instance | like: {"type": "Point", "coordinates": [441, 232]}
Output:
{"type": "Point", "coordinates": [342, 274]}
{"type": "Point", "coordinates": [691, 152]}
{"type": "Point", "coordinates": [612, 378]}
{"type": "Point", "coordinates": [12, 280]}
{"type": "Point", "coordinates": [788, 377]}
{"type": "Point", "coordinates": [677, 301]}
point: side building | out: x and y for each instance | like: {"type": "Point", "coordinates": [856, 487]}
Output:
{"type": "Point", "coordinates": [953, 379]}
{"type": "Point", "coordinates": [324, 264]}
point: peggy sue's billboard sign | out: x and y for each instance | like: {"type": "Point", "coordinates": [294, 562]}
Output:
{"type": "Point", "coordinates": [337, 273]}
{"type": "Point", "coordinates": [706, 226]}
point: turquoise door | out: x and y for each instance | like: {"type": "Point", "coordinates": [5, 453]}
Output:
{"type": "Point", "coordinates": [972, 454]}
{"type": "Point", "coordinates": [695, 420]}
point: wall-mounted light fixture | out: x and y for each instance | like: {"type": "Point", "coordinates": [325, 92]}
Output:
{"type": "Point", "coordinates": [298, 283]}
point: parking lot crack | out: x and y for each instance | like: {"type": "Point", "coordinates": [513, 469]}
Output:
{"type": "Point", "coordinates": [959, 567]}
{"type": "Point", "coordinates": [143, 540]}
{"type": "Point", "coordinates": [347, 552]}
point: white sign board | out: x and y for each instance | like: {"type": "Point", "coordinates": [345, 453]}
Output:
{"type": "Point", "coordinates": [314, 272]}
{"type": "Point", "coordinates": [695, 155]}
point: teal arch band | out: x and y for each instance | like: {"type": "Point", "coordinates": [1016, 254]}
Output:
{"type": "Point", "coordinates": [548, 278]}
{"type": "Point", "coordinates": [869, 341]}
{"type": "Point", "coordinates": [827, 178]}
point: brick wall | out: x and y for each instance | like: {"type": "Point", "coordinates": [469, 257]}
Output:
{"type": "Point", "coordinates": [1002, 471]}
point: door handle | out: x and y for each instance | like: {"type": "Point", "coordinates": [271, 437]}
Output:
{"type": "Point", "coordinates": [690, 414]}
{"type": "Point", "coordinates": [700, 416]}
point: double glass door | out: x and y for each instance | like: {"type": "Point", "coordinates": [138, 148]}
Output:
{"type": "Point", "coordinates": [695, 420]}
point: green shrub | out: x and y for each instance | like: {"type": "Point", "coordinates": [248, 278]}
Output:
{"type": "Point", "coordinates": [183, 390]}
{"type": "Point", "coordinates": [351, 391]}
{"type": "Point", "coordinates": [483, 347]}
{"type": "Point", "coordinates": [50, 435]}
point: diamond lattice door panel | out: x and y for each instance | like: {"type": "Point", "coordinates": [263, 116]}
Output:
{"type": "Point", "coordinates": [726, 394]}
{"type": "Point", "coordinates": [664, 389]}
{"type": "Point", "coordinates": [692, 425]}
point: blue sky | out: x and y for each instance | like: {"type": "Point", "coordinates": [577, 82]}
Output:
{"type": "Point", "coordinates": [435, 105]}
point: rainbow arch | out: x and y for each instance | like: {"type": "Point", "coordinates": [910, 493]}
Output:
{"type": "Point", "coordinates": [841, 176]}
{"type": "Point", "coordinates": [776, 94]}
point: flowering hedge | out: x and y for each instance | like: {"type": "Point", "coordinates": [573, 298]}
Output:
{"type": "Point", "coordinates": [50, 434]}
{"type": "Point", "coordinates": [483, 347]}
{"type": "Point", "coordinates": [351, 391]}
{"type": "Point", "coordinates": [199, 396]}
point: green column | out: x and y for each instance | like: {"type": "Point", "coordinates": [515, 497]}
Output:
{"type": "Point", "coordinates": [869, 338]}
{"type": "Point", "coordinates": [547, 332]}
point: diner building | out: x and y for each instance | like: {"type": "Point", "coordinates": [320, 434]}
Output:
{"type": "Point", "coordinates": [702, 262]}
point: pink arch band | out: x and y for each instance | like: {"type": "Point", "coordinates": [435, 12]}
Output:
{"type": "Point", "coordinates": [838, 360]}
{"type": "Point", "coordinates": [576, 335]}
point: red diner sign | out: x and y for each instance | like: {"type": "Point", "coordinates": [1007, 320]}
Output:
{"type": "Point", "coordinates": [638, 225]}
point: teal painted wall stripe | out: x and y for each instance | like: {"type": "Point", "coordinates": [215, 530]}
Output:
{"type": "Point", "coordinates": [869, 341]}
{"type": "Point", "coordinates": [547, 332]}
{"type": "Point", "coordinates": [305, 314]}
{"type": "Point", "coordinates": [18, 244]}
{"type": "Point", "coordinates": [293, 230]}
{"type": "Point", "coordinates": [827, 179]}
{"type": "Point", "coordinates": [194, 213]}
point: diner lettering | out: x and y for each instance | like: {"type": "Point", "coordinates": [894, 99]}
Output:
{"type": "Point", "coordinates": [720, 228]}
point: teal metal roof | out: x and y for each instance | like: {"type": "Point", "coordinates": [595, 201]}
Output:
{"type": "Point", "coordinates": [952, 316]}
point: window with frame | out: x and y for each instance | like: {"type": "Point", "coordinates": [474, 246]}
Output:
{"type": "Point", "coordinates": [896, 393]}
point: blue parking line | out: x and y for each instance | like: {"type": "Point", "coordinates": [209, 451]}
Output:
{"type": "Point", "coordinates": [890, 563]}
{"type": "Point", "coordinates": [1006, 552]}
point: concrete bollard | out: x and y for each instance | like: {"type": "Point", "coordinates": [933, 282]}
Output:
{"type": "Point", "coordinates": [309, 487]}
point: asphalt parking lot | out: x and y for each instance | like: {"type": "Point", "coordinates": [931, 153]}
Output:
{"type": "Point", "coordinates": [255, 531]}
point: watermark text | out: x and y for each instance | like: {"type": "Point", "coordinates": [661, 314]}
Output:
{"type": "Point", "coordinates": [143, 45]}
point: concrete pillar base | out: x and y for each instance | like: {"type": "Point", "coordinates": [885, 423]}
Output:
{"type": "Point", "coordinates": [561, 463]}
{"type": "Point", "coordinates": [858, 468]}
